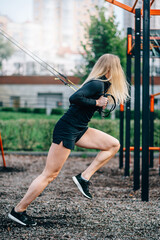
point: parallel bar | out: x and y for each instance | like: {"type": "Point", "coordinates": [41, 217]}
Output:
{"type": "Point", "coordinates": [145, 102]}
{"type": "Point", "coordinates": [128, 105]}
{"type": "Point", "coordinates": [136, 185]}
{"type": "Point", "coordinates": [155, 12]}
{"type": "Point", "coordinates": [121, 136]}
{"type": "Point", "coordinates": [150, 149]}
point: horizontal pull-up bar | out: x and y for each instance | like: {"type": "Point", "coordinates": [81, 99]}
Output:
{"type": "Point", "coordinates": [132, 9]}
{"type": "Point", "coordinates": [150, 149]}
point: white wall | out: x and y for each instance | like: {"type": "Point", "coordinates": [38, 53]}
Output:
{"type": "Point", "coordinates": [29, 93]}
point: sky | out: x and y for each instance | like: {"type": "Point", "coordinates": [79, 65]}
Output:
{"type": "Point", "coordinates": [21, 10]}
{"type": "Point", "coordinates": [17, 10]}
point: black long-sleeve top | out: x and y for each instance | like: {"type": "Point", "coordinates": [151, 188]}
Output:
{"type": "Point", "coordinates": [83, 103]}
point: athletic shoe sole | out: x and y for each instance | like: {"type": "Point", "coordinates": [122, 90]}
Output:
{"type": "Point", "coordinates": [79, 186]}
{"type": "Point", "coordinates": [18, 221]}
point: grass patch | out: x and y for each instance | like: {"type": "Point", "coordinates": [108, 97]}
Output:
{"type": "Point", "coordinates": [33, 132]}
{"type": "Point", "coordinates": [20, 115]}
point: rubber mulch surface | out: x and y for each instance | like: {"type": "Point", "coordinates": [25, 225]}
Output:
{"type": "Point", "coordinates": [61, 211]}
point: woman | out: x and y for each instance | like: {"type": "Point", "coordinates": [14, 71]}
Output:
{"type": "Point", "coordinates": [106, 76]}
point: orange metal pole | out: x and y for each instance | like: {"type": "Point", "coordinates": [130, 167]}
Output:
{"type": "Point", "coordinates": [134, 5]}
{"type": "Point", "coordinates": [151, 3]}
{"type": "Point", "coordinates": [121, 5]}
{"type": "Point", "coordinates": [129, 47]}
{"type": "Point", "coordinates": [152, 103]}
{"type": "Point", "coordinates": [156, 94]}
{"type": "Point", "coordinates": [121, 107]}
{"type": "Point", "coordinates": [159, 163]}
{"type": "Point", "coordinates": [1, 146]}
{"type": "Point", "coordinates": [154, 12]}
{"type": "Point", "coordinates": [150, 148]}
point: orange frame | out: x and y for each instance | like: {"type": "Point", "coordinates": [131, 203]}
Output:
{"type": "Point", "coordinates": [1, 147]}
{"type": "Point", "coordinates": [132, 9]}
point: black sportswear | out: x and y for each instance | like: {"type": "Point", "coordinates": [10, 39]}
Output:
{"type": "Point", "coordinates": [73, 124]}
{"type": "Point", "coordinates": [21, 218]}
{"type": "Point", "coordinates": [82, 185]}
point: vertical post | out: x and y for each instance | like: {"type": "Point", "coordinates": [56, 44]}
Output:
{"type": "Point", "coordinates": [151, 129]}
{"type": "Point", "coordinates": [145, 102]}
{"type": "Point", "coordinates": [137, 99]}
{"type": "Point", "coordinates": [128, 103]}
{"type": "Point", "coordinates": [121, 135]}
{"type": "Point", "coordinates": [151, 134]}
{"type": "Point", "coordinates": [1, 146]}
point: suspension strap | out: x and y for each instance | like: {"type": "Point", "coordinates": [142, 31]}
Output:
{"type": "Point", "coordinates": [44, 64]}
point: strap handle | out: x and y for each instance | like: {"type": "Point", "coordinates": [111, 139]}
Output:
{"type": "Point", "coordinates": [106, 114]}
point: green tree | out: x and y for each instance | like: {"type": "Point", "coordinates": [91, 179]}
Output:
{"type": "Point", "coordinates": [101, 36]}
{"type": "Point", "coordinates": [6, 50]}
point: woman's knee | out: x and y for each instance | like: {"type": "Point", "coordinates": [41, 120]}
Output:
{"type": "Point", "coordinates": [116, 145]}
{"type": "Point", "coordinates": [50, 176]}
{"type": "Point", "coordinates": [113, 145]}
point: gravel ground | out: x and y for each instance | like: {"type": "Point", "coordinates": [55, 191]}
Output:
{"type": "Point", "coordinates": [61, 212]}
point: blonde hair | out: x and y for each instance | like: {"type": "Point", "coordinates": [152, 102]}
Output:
{"type": "Point", "coordinates": [110, 64]}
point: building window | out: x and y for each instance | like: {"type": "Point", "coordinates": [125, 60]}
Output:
{"type": "Point", "coordinates": [15, 101]}
{"type": "Point", "coordinates": [50, 100]}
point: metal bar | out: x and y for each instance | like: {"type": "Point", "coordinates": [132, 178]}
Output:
{"type": "Point", "coordinates": [134, 5]}
{"type": "Point", "coordinates": [150, 149]}
{"type": "Point", "coordinates": [151, 129]}
{"type": "Point", "coordinates": [121, 135]}
{"type": "Point", "coordinates": [128, 104]}
{"type": "Point", "coordinates": [151, 3]}
{"type": "Point", "coordinates": [1, 146]}
{"type": "Point", "coordinates": [155, 12]}
{"type": "Point", "coordinates": [137, 94]}
{"type": "Point", "coordinates": [129, 44]}
{"type": "Point", "coordinates": [121, 5]}
{"type": "Point", "coordinates": [156, 94]}
{"type": "Point", "coordinates": [151, 121]}
{"type": "Point", "coordinates": [145, 102]}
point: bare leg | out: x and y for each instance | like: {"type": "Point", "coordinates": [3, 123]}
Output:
{"type": "Point", "coordinates": [56, 158]}
{"type": "Point", "coordinates": [96, 139]}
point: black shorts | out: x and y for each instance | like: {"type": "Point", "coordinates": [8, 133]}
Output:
{"type": "Point", "coordinates": [66, 133]}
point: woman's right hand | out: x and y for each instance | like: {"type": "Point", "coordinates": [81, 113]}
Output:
{"type": "Point", "coordinates": [102, 102]}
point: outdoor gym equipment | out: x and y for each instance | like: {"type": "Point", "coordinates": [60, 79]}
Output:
{"type": "Point", "coordinates": [136, 48]}
{"type": "Point", "coordinates": [2, 152]}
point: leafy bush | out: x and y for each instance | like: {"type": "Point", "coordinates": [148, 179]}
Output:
{"type": "Point", "coordinates": [36, 135]}
{"type": "Point", "coordinates": [157, 114]}
{"type": "Point", "coordinates": [39, 110]}
{"type": "Point", "coordinates": [25, 110]}
{"type": "Point", "coordinates": [7, 109]}
{"type": "Point", "coordinates": [57, 111]}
